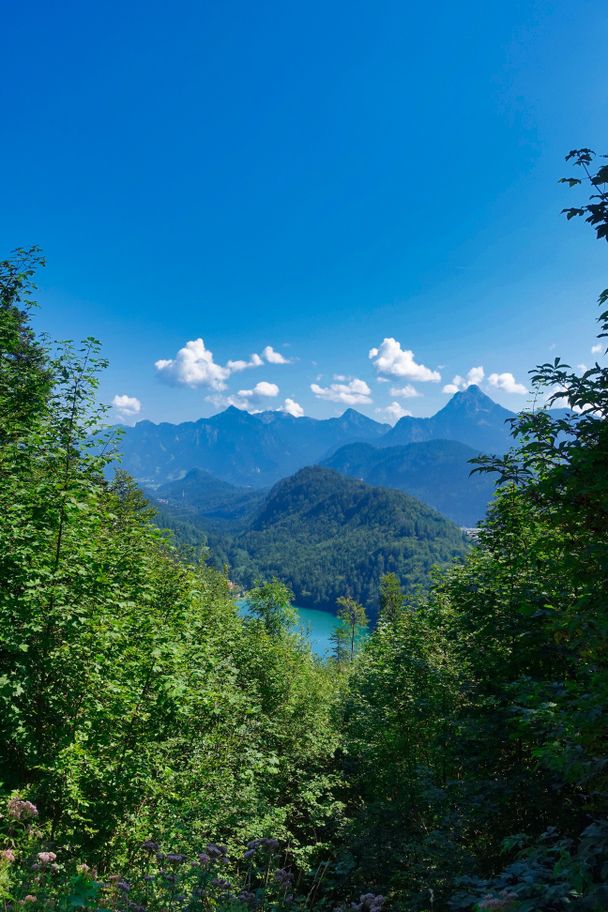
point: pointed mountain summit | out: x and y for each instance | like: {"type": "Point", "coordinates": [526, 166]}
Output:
{"type": "Point", "coordinates": [470, 417]}
{"type": "Point", "coordinates": [473, 401]}
{"type": "Point", "coordinates": [351, 418]}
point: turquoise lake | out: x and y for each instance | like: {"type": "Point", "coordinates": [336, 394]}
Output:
{"type": "Point", "coordinates": [316, 625]}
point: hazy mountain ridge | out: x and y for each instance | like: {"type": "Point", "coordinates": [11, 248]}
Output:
{"type": "Point", "coordinates": [436, 472]}
{"type": "Point", "coordinates": [237, 447]}
{"type": "Point", "coordinates": [258, 450]}
{"type": "Point", "coordinates": [470, 417]}
{"type": "Point", "coordinates": [207, 502]}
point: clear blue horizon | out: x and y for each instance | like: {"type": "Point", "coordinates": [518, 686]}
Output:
{"type": "Point", "coordinates": [299, 186]}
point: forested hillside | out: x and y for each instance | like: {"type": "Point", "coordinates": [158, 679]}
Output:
{"type": "Point", "coordinates": [160, 753]}
{"type": "Point", "coordinates": [327, 535]}
{"type": "Point", "coordinates": [437, 472]}
{"type": "Point", "coordinates": [322, 533]}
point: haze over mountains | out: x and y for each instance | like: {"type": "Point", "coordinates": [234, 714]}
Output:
{"type": "Point", "coordinates": [470, 417]}
{"type": "Point", "coordinates": [259, 449]}
{"type": "Point", "coordinates": [238, 447]}
{"type": "Point", "coordinates": [437, 472]}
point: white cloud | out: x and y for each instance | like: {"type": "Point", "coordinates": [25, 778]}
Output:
{"type": "Point", "coordinates": [597, 349]}
{"type": "Point", "coordinates": [193, 366]}
{"type": "Point", "coordinates": [405, 392]}
{"type": "Point", "coordinates": [581, 368]}
{"type": "Point", "coordinates": [355, 392]}
{"type": "Point", "coordinates": [251, 401]}
{"type": "Point", "coordinates": [127, 407]}
{"type": "Point", "coordinates": [474, 376]}
{"type": "Point", "coordinates": [222, 402]}
{"type": "Point", "coordinates": [263, 389]}
{"type": "Point", "coordinates": [393, 412]}
{"type": "Point", "coordinates": [292, 408]}
{"type": "Point", "coordinates": [239, 365]}
{"type": "Point", "coordinates": [248, 400]}
{"type": "Point", "coordinates": [273, 357]}
{"type": "Point", "coordinates": [507, 383]}
{"type": "Point", "coordinates": [391, 359]}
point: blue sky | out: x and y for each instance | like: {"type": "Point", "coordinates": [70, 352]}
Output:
{"type": "Point", "coordinates": [308, 179]}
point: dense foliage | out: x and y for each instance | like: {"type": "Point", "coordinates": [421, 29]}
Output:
{"type": "Point", "coordinates": [134, 701]}
{"type": "Point", "coordinates": [475, 723]}
{"type": "Point", "coordinates": [457, 762]}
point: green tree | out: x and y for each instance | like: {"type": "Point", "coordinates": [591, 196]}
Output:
{"type": "Point", "coordinates": [352, 614]}
{"type": "Point", "coordinates": [391, 598]}
{"type": "Point", "coordinates": [340, 641]}
{"type": "Point", "coordinates": [134, 700]}
{"type": "Point", "coordinates": [25, 375]}
{"type": "Point", "coordinates": [474, 729]}
{"type": "Point", "coordinates": [272, 603]}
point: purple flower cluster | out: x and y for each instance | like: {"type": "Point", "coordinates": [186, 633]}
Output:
{"type": "Point", "coordinates": [216, 851]}
{"type": "Point", "coordinates": [270, 845]}
{"type": "Point", "coordinates": [221, 884]}
{"type": "Point", "coordinates": [20, 809]}
{"type": "Point", "coordinates": [45, 860]}
{"type": "Point", "coordinates": [150, 846]}
{"type": "Point", "coordinates": [283, 877]}
{"type": "Point", "coordinates": [368, 902]}
{"type": "Point", "coordinates": [504, 901]}
{"type": "Point", "coordinates": [46, 857]}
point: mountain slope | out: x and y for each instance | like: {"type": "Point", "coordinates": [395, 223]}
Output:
{"type": "Point", "coordinates": [327, 535]}
{"type": "Point", "coordinates": [470, 417]}
{"type": "Point", "coordinates": [437, 472]}
{"type": "Point", "coordinates": [206, 502]}
{"type": "Point", "coordinates": [243, 449]}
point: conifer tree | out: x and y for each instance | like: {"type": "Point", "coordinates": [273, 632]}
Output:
{"type": "Point", "coordinates": [353, 616]}
{"type": "Point", "coordinates": [391, 598]}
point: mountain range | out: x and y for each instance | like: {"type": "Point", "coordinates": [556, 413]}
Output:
{"type": "Point", "coordinates": [256, 450]}
{"type": "Point", "coordinates": [211, 472]}
{"type": "Point", "coordinates": [237, 447]}
{"type": "Point", "coordinates": [328, 506]}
